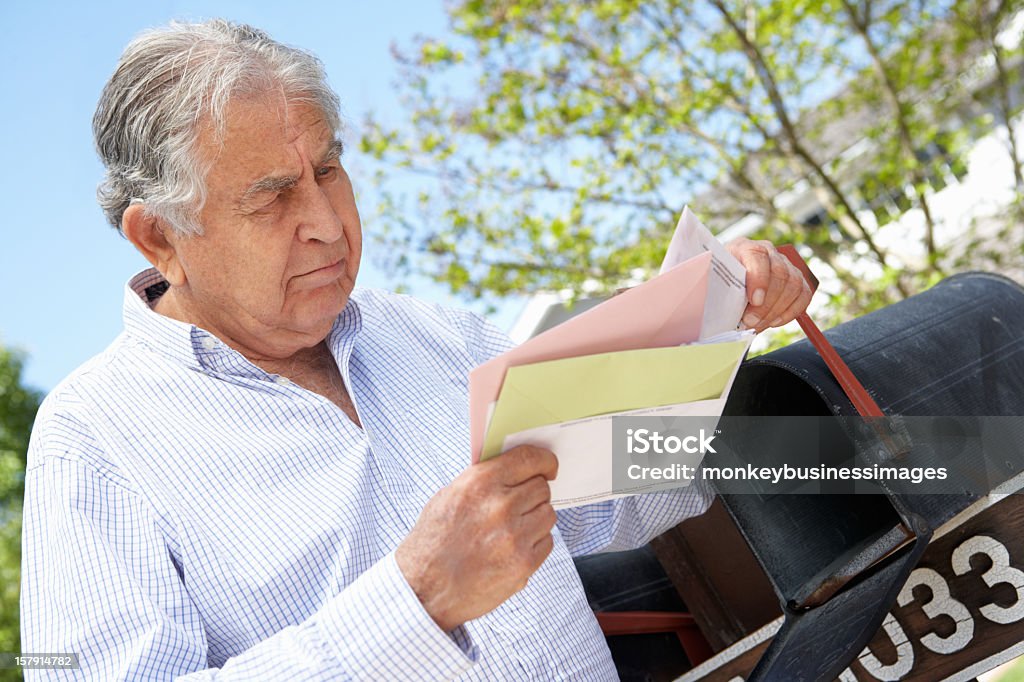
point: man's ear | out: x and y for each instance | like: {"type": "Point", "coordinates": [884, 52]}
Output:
{"type": "Point", "coordinates": [156, 241]}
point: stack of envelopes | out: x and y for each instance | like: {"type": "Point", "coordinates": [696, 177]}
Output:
{"type": "Point", "coordinates": [668, 347]}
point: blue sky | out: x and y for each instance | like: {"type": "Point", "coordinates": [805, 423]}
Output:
{"type": "Point", "coordinates": [62, 269]}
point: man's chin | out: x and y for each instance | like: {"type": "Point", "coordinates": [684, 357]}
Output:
{"type": "Point", "coordinates": [320, 307]}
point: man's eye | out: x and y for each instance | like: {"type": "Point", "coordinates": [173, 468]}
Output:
{"type": "Point", "coordinates": [262, 205]}
{"type": "Point", "coordinates": [267, 203]}
{"type": "Point", "coordinates": [326, 172]}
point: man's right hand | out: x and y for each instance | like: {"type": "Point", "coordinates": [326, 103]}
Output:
{"type": "Point", "coordinates": [479, 540]}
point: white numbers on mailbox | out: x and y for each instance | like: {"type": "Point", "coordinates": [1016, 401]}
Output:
{"type": "Point", "coordinates": [942, 603]}
{"type": "Point", "coordinates": [1001, 572]}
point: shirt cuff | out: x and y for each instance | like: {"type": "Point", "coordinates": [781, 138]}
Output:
{"type": "Point", "coordinates": [379, 630]}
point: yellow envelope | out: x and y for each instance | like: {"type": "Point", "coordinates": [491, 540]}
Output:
{"type": "Point", "coordinates": [665, 311]}
{"type": "Point", "coordinates": [561, 390]}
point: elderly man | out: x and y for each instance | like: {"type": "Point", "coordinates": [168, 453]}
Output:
{"type": "Point", "coordinates": [266, 474]}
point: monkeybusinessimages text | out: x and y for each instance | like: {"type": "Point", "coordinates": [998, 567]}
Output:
{"type": "Point", "coordinates": [649, 442]}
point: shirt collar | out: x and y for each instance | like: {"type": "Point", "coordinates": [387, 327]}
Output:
{"type": "Point", "coordinates": [194, 347]}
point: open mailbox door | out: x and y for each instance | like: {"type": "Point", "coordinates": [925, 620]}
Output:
{"type": "Point", "coordinates": [838, 563]}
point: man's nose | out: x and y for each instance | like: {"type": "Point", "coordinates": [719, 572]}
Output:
{"type": "Point", "coordinates": [317, 218]}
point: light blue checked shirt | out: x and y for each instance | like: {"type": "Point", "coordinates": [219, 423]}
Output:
{"type": "Point", "coordinates": [188, 514]}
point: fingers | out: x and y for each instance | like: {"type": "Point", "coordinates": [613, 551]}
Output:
{"type": "Point", "coordinates": [534, 556]}
{"type": "Point", "coordinates": [777, 284]}
{"type": "Point", "coordinates": [756, 259]}
{"type": "Point", "coordinates": [786, 288]}
{"type": "Point", "coordinates": [537, 524]}
{"type": "Point", "coordinates": [523, 463]}
{"type": "Point", "coordinates": [799, 304]}
{"type": "Point", "coordinates": [776, 290]}
{"type": "Point", "coordinates": [533, 493]}
{"type": "Point", "coordinates": [542, 548]}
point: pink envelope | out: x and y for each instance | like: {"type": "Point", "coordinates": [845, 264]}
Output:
{"type": "Point", "coordinates": [664, 311]}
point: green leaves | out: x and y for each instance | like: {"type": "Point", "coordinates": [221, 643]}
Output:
{"type": "Point", "coordinates": [433, 53]}
{"type": "Point", "coordinates": [552, 145]}
{"type": "Point", "coordinates": [18, 406]}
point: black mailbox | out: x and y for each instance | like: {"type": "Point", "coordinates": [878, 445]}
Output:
{"type": "Point", "coordinates": [956, 349]}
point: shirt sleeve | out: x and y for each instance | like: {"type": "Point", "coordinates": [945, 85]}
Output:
{"type": "Point", "coordinates": [99, 580]}
{"type": "Point", "coordinates": [630, 522]}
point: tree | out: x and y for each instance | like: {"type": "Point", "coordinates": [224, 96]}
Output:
{"type": "Point", "coordinates": [553, 144]}
{"type": "Point", "coordinates": [18, 406]}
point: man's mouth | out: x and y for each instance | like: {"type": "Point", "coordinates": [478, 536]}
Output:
{"type": "Point", "coordinates": [329, 267]}
{"type": "Point", "coordinates": [324, 275]}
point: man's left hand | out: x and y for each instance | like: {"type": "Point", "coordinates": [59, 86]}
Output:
{"type": "Point", "coordinates": [776, 290]}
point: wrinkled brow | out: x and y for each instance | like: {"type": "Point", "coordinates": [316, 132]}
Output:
{"type": "Point", "coordinates": [275, 184]}
{"type": "Point", "coordinates": [335, 149]}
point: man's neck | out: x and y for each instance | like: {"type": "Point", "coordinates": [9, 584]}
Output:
{"type": "Point", "coordinates": [304, 363]}
{"type": "Point", "coordinates": [177, 305]}
{"type": "Point", "coordinates": [312, 368]}
{"type": "Point", "coordinates": [316, 370]}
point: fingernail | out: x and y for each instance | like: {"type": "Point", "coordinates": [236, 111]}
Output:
{"type": "Point", "coordinates": [776, 322]}
{"type": "Point", "coordinates": [758, 297]}
{"type": "Point", "coordinates": [750, 319]}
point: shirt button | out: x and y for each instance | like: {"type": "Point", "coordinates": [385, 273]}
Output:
{"type": "Point", "coordinates": [282, 381]}
{"type": "Point", "coordinates": [209, 343]}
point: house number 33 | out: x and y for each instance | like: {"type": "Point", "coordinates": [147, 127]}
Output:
{"type": "Point", "coordinates": [942, 603]}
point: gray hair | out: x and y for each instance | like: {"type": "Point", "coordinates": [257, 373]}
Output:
{"type": "Point", "coordinates": [168, 83]}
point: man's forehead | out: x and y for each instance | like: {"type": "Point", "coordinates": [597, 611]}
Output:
{"type": "Point", "coordinates": [290, 111]}
{"type": "Point", "coordinates": [266, 137]}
